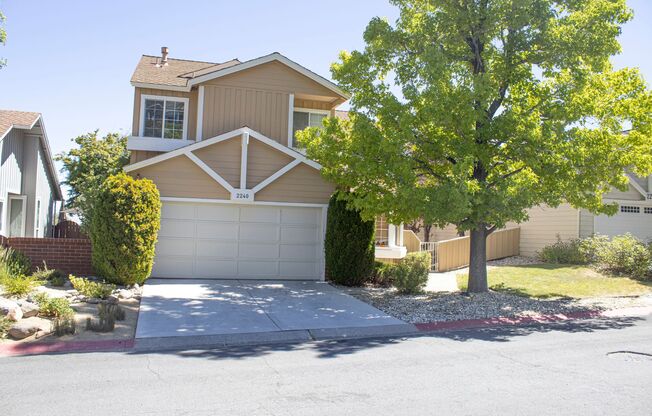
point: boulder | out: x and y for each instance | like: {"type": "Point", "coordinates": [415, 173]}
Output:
{"type": "Point", "coordinates": [29, 309]}
{"type": "Point", "coordinates": [10, 309]}
{"type": "Point", "coordinates": [52, 293]}
{"type": "Point", "coordinates": [125, 294]}
{"type": "Point", "coordinates": [30, 326]}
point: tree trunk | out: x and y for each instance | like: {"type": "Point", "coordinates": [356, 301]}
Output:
{"type": "Point", "coordinates": [426, 232]}
{"type": "Point", "coordinates": [478, 262]}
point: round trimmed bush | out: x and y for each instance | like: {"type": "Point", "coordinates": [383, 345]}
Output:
{"type": "Point", "coordinates": [349, 245]}
{"type": "Point", "coordinates": [124, 228]}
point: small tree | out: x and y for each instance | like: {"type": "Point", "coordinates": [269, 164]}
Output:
{"type": "Point", "coordinates": [469, 112]}
{"type": "Point", "coordinates": [88, 165]}
{"type": "Point", "coordinates": [124, 229]}
{"type": "Point", "coordinates": [349, 244]}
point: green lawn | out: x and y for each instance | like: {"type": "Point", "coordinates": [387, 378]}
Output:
{"type": "Point", "coordinates": [555, 280]}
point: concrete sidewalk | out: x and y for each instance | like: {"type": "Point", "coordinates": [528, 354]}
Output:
{"type": "Point", "coordinates": [180, 313]}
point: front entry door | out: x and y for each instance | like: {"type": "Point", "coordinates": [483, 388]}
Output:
{"type": "Point", "coordinates": [17, 217]}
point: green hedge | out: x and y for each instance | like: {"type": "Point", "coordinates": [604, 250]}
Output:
{"type": "Point", "coordinates": [411, 273]}
{"type": "Point", "coordinates": [124, 228]}
{"type": "Point", "coordinates": [349, 245]}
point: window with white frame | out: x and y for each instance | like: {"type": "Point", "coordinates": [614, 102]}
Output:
{"type": "Point", "coordinates": [164, 117]}
{"type": "Point", "coordinates": [382, 231]}
{"type": "Point", "coordinates": [302, 118]}
{"type": "Point", "coordinates": [629, 209]}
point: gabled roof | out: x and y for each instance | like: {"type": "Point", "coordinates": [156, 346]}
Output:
{"type": "Point", "coordinates": [181, 75]}
{"type": "Point", "coordinates": [27, 120]}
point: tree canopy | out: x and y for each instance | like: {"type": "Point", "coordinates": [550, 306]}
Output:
{"type": "Point", "coordinates": [3, 37]}
{"type": "Point", "coordinates": [472, 111]}
{"type": "Point", "coordinates": [87, 166]}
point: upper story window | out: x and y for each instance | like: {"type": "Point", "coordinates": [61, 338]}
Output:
{"type": "Point", "coordinates": [303, 118]}
{"type": "Point", "coordinates": [164, 117]}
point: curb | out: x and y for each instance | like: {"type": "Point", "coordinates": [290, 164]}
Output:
{"type": "Point", "coordinates": [65, 347]}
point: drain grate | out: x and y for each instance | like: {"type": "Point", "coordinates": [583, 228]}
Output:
{"type": "Point", "coordinates": [634, 356]}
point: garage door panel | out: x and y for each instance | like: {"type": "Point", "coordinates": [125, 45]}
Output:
{"type": "Point", "coordinates": [638, 224]}
{"type": "Point", "coordinates": [177, 211]}
{"type": "Point", "coordinates": [298, 269]}
{"type": "Point", "coordinates": [257, 250]}
{"type": "Point", "coordinates": [300, 216]}
{"type": "Point", "coordinates": [175, 247]}
{"type": "Point", "coordinates": [230, 241]}
{"type": "Point", "coordinates": [259, 214]}
{"type": "Point", "coordinates": [216, 249]}
{"type": "Point", "coordinates": [217, 230]}
{"type": "Point", "coordinates": [299, 235]}
{"type": "Point", "coordinates": [260, 269]}
{"type": "Point", "coordinates": [259, 232]}
{"type": "Point", "coordinates": [218, 212]}
{"type": "Point", "coordinates": [299, 251]}
{"type": "Point", "coordinates": [215, 268]}
{"type": "Point", "coordinates": [177, 229]}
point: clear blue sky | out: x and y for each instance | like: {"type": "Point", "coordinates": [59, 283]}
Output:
{"type": "Point", "coordinates": [72, 60]}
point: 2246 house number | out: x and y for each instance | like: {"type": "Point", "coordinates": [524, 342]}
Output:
{"type": "Point", "coordinates": [244, 195]}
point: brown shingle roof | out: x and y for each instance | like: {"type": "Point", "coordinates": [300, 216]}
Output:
{"type": "Point", "coordinates": [10, 118]}
{"type": "Point", "coordinates": [176, 73]}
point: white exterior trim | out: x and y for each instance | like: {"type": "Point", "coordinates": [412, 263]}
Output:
{"type": "Point", "coordinates": [640, 202]}
{"type": "Point", "coordinates": [24, 219]}
{"type": "Point", "coordinates": [155, 145]}
{"type": "Point", "coordinates": [636, 186]}
{"type": "Point", "coordinates": [160, 86]}
{"type": "Point", "coordinates": [200, 114]}
{"type": "Point", "coordinates": [390, 252]}
{"type": "Point", "coordinates": [276, 175]}
{"type": "Point", "coordinates": [186, 107]}
{"type": "Point", "coordinates": [263, 60]}
{"type": "Point", "coordinates": [228, 201]}
{"type": "Point", "coordinates": [3, 216]}
{"type": "Point", "coordinates": [203, 166]}
{"type": "Point", "coordinates": [312, 110]}
{"type": "Point", "coordinates": [243, 160]}
{"type": "Point", "coordinates": [291, 120]}
{"type": "Point", "coordinates": [220, 138]}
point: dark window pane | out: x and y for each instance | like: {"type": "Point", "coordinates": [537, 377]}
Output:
{"type": "Point", "coordinates": [173, 120]}
{"type": "Point", "coordinates": [300, 121]}
{"type": "Point", "coordinates": [153, 118]}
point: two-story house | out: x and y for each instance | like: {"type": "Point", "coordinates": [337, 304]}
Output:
{"type": "Point", "coordinates": [239, 200]}
{"type": "Point", "coordinates": [30, 194]}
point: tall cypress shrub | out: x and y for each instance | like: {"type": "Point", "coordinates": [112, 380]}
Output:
{"type": "Point", "coordinates": [124, 228]}
{"type": "Point", "coordinates": [349, 245]}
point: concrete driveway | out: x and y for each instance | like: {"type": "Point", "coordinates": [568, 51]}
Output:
{"type": "Point", "coordinates": [182, 307]}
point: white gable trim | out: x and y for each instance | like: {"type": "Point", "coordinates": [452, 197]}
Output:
{"type": "Point", "coordinates": [636, 186]}
{"type": "Point", "coordinates": [222, 137]}
{"type": "Point", "coordinates": [266, 59]}
{"type": "Point", "coordinates": [203, 166]}
{"type": "Point", "coordinates": [160, 86]}
{"type": "Point", "coordinates": [276, 175]}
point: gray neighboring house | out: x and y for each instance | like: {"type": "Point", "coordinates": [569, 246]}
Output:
{"type": "Point", "coordinates": [30, 195]}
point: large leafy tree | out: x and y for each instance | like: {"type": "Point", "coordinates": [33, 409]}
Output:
{"type": "Point", "coordinates": [471, 111]}
{"type": "Point", "coordinates": [88, 165]}
{"type": "Point", "coordinates": [3, 37]}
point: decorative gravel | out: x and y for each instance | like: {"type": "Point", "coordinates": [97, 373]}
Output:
{"type": "Point", "coordinates": [514, 261]}
{"type": "Point", "coordinates": [457, 306]}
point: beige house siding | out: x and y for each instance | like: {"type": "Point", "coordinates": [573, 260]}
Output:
{"type": "Point", "coordinates": [301, 184]}
{"type": "Point", "coordinates": [136, 156]}
{"type": "Point", "coordinates": [545, 224]}
{"type": "Point", "coordinates": [446, 233]}
{"type": "Point", "coordinates": [192, 108]}
{"type": "Point", "coordinates": [630, 194]}
{"type": "Point", "coordinates": [227, 108]}
{"type": "Point", "coordinates": [262, 162]}
{"type": "Point", "coordinates": [180, 177]}
{"type": "Point", "coordinates": [224, 158]}
{"type": "Point", "coordinates": [586, 224]}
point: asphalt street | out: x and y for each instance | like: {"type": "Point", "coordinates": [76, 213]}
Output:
{"type": "Point", "coordinates": [596, 367]}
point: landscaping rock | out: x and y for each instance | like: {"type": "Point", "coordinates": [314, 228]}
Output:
{"type": "Point", "coordinates": [30, 326]}
{"type": "Point", "coordinates": [51, 292]}
{"type": "Point", "coordinates": [72, 292]}
{"type": "Point", "coordinates": [29, 309]}
{"type": "Point", "coordinates": [10, 309]}
{"type": "Point", "coordinates": [125, 294]}
{"type": "Point", "coordinates": [111, 299]}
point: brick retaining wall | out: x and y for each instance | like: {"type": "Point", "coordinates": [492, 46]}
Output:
{"type": "Point", "coordinates": [70, 255]}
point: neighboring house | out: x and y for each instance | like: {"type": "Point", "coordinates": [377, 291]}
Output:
{"type": "Point", "coordinates": [240, 200]}
{"type": "Point", "coordinates": [29, 189]}
{"type": "Point", "coordinates": [547, 224]}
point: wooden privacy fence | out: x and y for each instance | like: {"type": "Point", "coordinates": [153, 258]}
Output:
{"type": "Point", "coordinates": [452, 254]}
{"type": "Point", "coordinates": [68, 229]}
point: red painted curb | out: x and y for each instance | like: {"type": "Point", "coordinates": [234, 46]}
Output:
{"type": "Point", "coordinates": [66, 346]}
{"type": "Point", "coordinates": [500, 321]}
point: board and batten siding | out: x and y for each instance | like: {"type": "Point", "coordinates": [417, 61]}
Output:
{"type": "Point", "coordinates": [192, 108]}
{"type": "Point", "coordinates": [224, 158]}
{"type": "Point", "coordinates": [43, 194]}
{"type": "Point", "coordinates": [11, 167]}
{"type": "Point", "coordinates": [301, 184]}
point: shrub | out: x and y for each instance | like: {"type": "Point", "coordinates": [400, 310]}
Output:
{"type": "Point", "coordinates": [592, 247]}
{"type": "Point", "coordinates": [124, 227]}
{"type": "Point", "coordinates": [626, 255]}
{"type": "Point", "coordinates": [5, 325]}
{"type": "Point", "coordinates": [411, 273]}
{"type": "Point", "coordinates": [53, 307]}
{"type": "Point", "coordinates": [64, 325]}
{"type": "Point", "coordinates": [18, 285]}
{"type": "Point", "coordinates": [349, 244]}
{"type": "Point", "coordinates": [52, 276]}
{"type": "Point", "coordinates": [16, 262]}
{"type": "Point", "coordinates": [563, 252]}
{"type": "Point", "coordinates": [90, 288]}
{"type": "Point", "coordinates": [383, 274]}
{"type": "Point", "coordinates": [107, 315]}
